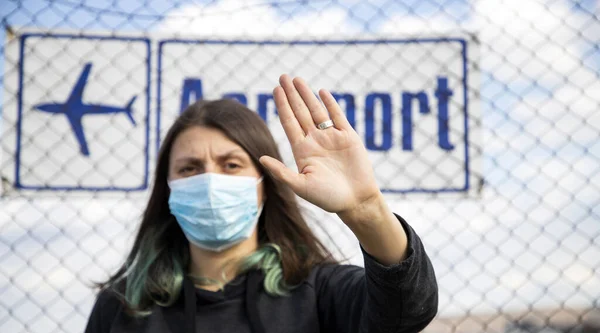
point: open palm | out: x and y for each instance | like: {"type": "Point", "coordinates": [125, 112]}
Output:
{"type": "Point", "coordinates": [334, 169]}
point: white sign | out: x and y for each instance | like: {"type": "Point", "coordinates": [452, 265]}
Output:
{"type": "Point", "coordinates": [83, 118]}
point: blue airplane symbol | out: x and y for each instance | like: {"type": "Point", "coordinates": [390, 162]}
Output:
{"type": "Point", "coordinates": [75, 109]}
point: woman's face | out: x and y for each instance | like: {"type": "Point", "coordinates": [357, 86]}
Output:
{"type": "Point", "coordinates": [201, 149]}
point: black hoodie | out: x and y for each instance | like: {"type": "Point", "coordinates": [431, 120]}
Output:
{"type": "Point", "coordinates": [334, 298]}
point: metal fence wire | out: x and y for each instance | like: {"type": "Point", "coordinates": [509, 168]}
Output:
{"type": "Point", "coordinates": [480, 117]}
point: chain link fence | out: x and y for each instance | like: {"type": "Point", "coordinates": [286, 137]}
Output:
{"type": "Point", "coordinates": [481, 119]}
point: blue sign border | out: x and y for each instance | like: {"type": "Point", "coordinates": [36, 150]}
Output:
{"type": "Point", "coordinates": [22, 53]}
{"type": "Point", "coordinates": [461, 41]}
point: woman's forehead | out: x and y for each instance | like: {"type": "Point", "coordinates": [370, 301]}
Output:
{"type": "Point", "coordinates": [199, 140]}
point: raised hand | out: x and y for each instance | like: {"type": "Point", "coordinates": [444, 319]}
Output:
{"type": "Point", "coordinates": [334, 169]}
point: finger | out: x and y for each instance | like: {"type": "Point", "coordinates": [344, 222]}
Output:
{"type": "Point", "coordinates": [288, 120]}
{"type": "Point", "coordinates": [282, 173]}
{"type": "Point", "coordinates": [297, 104]}
{"type": "Point", "coordinates": [317, 111]}
{"type": "Point", "coordinates": [335, 112]}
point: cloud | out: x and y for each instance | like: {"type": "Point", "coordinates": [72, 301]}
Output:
{"type": "Point", "coordinates": [521, 40]}
{"type": "Point", "coordinates": [531, 57]}
{"type": "Point", "coordinates": [251, 19]}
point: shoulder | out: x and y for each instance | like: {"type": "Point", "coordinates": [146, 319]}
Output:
{"type": "Point", "coordinates": [108, 300]}
{"type": "Point", "coordinates": [108, 305]}
{"type": "Point", "coordinates": [327, 270]}
{"type": "Point", "coordinates": [325, 275]}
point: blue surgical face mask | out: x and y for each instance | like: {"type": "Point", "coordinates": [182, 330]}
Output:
{"type": "Point", "coordinates": [215, 211]}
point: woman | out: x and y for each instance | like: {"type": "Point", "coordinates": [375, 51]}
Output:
{"type": "Point", "coordinates": [223, 247]}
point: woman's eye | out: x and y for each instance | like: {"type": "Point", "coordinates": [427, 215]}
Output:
{"type": "Point", "coordinates": [231, 166]}
{"type": "Point", "coordinates": [187, 169]}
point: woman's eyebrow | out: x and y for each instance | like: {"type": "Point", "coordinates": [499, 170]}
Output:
{"type": "Point", "coordinates": [189, 159]}
{"type": "Point", "coordinates": [237, 152]}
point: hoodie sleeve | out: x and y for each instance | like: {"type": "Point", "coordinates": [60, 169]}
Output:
{"type": "Point", "coordinates": [103, 313]}
{"type": "Point", "coordinates": [397, 298]}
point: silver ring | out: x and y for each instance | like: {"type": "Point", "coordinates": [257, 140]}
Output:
{"type": "Point", "coordinates": [325, 124]}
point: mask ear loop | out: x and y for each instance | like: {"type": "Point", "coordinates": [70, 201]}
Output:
{"type": "Point", "coordinates": [264, 195]}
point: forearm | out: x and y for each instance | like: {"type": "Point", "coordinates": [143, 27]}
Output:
{"type": "Point", "coordinates": [378, 230]}
{"type": "Point", "coordinates": [400, 297]}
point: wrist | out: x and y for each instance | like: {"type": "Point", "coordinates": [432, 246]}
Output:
{"type": "Point", "coordinates": [370, 211]}
{"type": "Point", "coordinates": [378, 230]}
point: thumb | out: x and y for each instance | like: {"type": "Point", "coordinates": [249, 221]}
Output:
{"type": "Point", "coordinates": [281, 172]}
